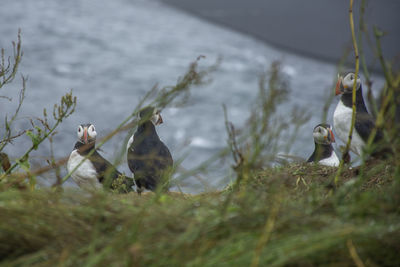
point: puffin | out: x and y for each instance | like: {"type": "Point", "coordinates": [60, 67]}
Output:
{"type": "Point", "coordinates": [364, 122]}
{"type": "Point", "coordinates": [323, 152]}
{"type": "Point", "coordinates": [149, 158]}
{"type": "Point", "coordinates": [92, 173]}
{"type": "Point", "coordinates": [5, 161]}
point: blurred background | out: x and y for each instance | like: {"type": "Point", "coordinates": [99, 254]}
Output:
{"type": "Point", "coordinates": [110, 53]}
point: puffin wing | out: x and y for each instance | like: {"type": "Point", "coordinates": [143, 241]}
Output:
{"type": "Point", "coordinates": [158, 166]}
{"type": "Point", "coordinates": [364, 126]}
{"type": "Point", "coordinates": [103, 167]}
{"type": "Point", "coordinates": [141, 159]}
{"type": "Point", "coordinates": [135, 159]}
{"type": "Point", "coordinates": [148, 160]}
{"type": "Point", "coordinates": [165, 158]}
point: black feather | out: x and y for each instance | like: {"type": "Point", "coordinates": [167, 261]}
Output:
{"type": "Point", "coordinates": [321, 151]}
{"type": "Point", "coordinates": [104, 168]}
{"type": "Point", "coordinates": [148, 157]}
{"type": "Point", "coordinates": [365, 123]}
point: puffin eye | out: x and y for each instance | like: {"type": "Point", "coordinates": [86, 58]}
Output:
{"type": "Point", "coordinates": [79, 130]}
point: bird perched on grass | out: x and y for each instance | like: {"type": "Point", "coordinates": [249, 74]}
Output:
{"type": "Point", "coordinates": [324, 153]}
{"type": "Point", "coordinates": [96, 170]}
{"type": "Point", "coordinates": [4, 161]}
{"type": "Point", "coordinates": [148, 157]}
{"type": "Point", "coordinates": [364, 122]}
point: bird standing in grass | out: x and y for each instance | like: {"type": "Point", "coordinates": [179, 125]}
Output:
{"type": "Point", "coordinates": [364, 122]}
{"type": "Point", "coordinates": [96, 170]}
{"type": "Point", "coordinates": [5, 162]}
{"type": "Point", "coordinates": [148, 157]}
{"type": "Point", "coordinates": [324, 153]}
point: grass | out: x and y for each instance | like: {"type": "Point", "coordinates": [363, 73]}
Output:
{"type": "Point", "coordinates": [291, 215]}
{"type": "Point", "coordinates": [313, 223]}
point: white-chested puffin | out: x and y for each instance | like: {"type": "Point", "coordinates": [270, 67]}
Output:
{"type": "Point", "coordinates": [323, 152]}
{"type": "Point", "coordinates": [364, 123]}
{"type": "Point", "coordinates": [93, 171]}
{"type": "Point", "coordinates": [148, 157]}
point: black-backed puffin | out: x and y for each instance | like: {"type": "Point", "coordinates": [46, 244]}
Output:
{"type": "Point", "coordinates": [93, 171]}
{"type": "Point", "coordinates": [148, 157]}
{"type": "Point", "coordinates": [323, 152]}
{"type": "Point", "coordinates": [364, 123]}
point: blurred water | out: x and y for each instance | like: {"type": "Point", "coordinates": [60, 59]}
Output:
{"type": "Point", "coordinates": [112, 52]}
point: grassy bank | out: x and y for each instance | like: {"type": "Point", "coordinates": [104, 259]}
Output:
{"type": "Point", "coordinates": [289, 215]}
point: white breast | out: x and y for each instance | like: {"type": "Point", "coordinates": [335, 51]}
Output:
{"type": "Point", "coordinates": [85, 176]}
{"type": "Point", "coordinates": [129, 142]}
{"type": "Point", "coordinates": [341, 124]}
{"type": "Point", "coordinates": [333, 160]}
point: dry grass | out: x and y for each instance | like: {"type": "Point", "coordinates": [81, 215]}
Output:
{"type": "Point", "coordinates": [313, 223]}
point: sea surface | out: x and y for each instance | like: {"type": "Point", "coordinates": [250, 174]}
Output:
{"type": "Point", "coordinates": [110, 53]}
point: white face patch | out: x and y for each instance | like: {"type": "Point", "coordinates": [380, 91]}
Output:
{"type": "Point", "coordinates": [92, 132]}
{"type": "Point", "coordinates": [80, 132]}
{"type": "Point", "coordinates": [320, 135]}
{"type": "Point", "coordinates": [155, 118]}
{"type": "Point", "coordinates": [89, 131]}
{"type": "Point", "coordinates": [348, 82]}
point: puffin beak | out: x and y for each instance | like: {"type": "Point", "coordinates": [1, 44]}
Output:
{"type": "Point", "coordinates": [160, 120]}
{"type": "Point", "coordinates": [338, 84]}
{"type": "Point", "coordinates": [332, 137]}
{"type": "Point", "coordinates": [85, 135]}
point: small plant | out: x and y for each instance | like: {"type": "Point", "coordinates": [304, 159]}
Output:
{"type": "Point", "coordinates": [41, 127]}
{"type": "Point", "coordinates": [122, 184]}
{"type": "Point", "coordinates": [256, 145]}
{"type": "Point", "coordinates": [8, 70]}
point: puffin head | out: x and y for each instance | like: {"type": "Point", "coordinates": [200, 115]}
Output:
{"type": "Point", "coordinates": [150, 114]}
{"type": "Point", "coordinates": [323, 134]}
{"type": "Point", "coordinates": [86, 133]}
{"type": "Point", "coordinates": [345, 83]}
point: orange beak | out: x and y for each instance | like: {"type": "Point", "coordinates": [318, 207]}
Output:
{"type": "Point", "coordinates": [85, 135]}
{"type": "Point", "coordinates": [332, 136]}
{"type": "Point", "coordinates": [339, 82]}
